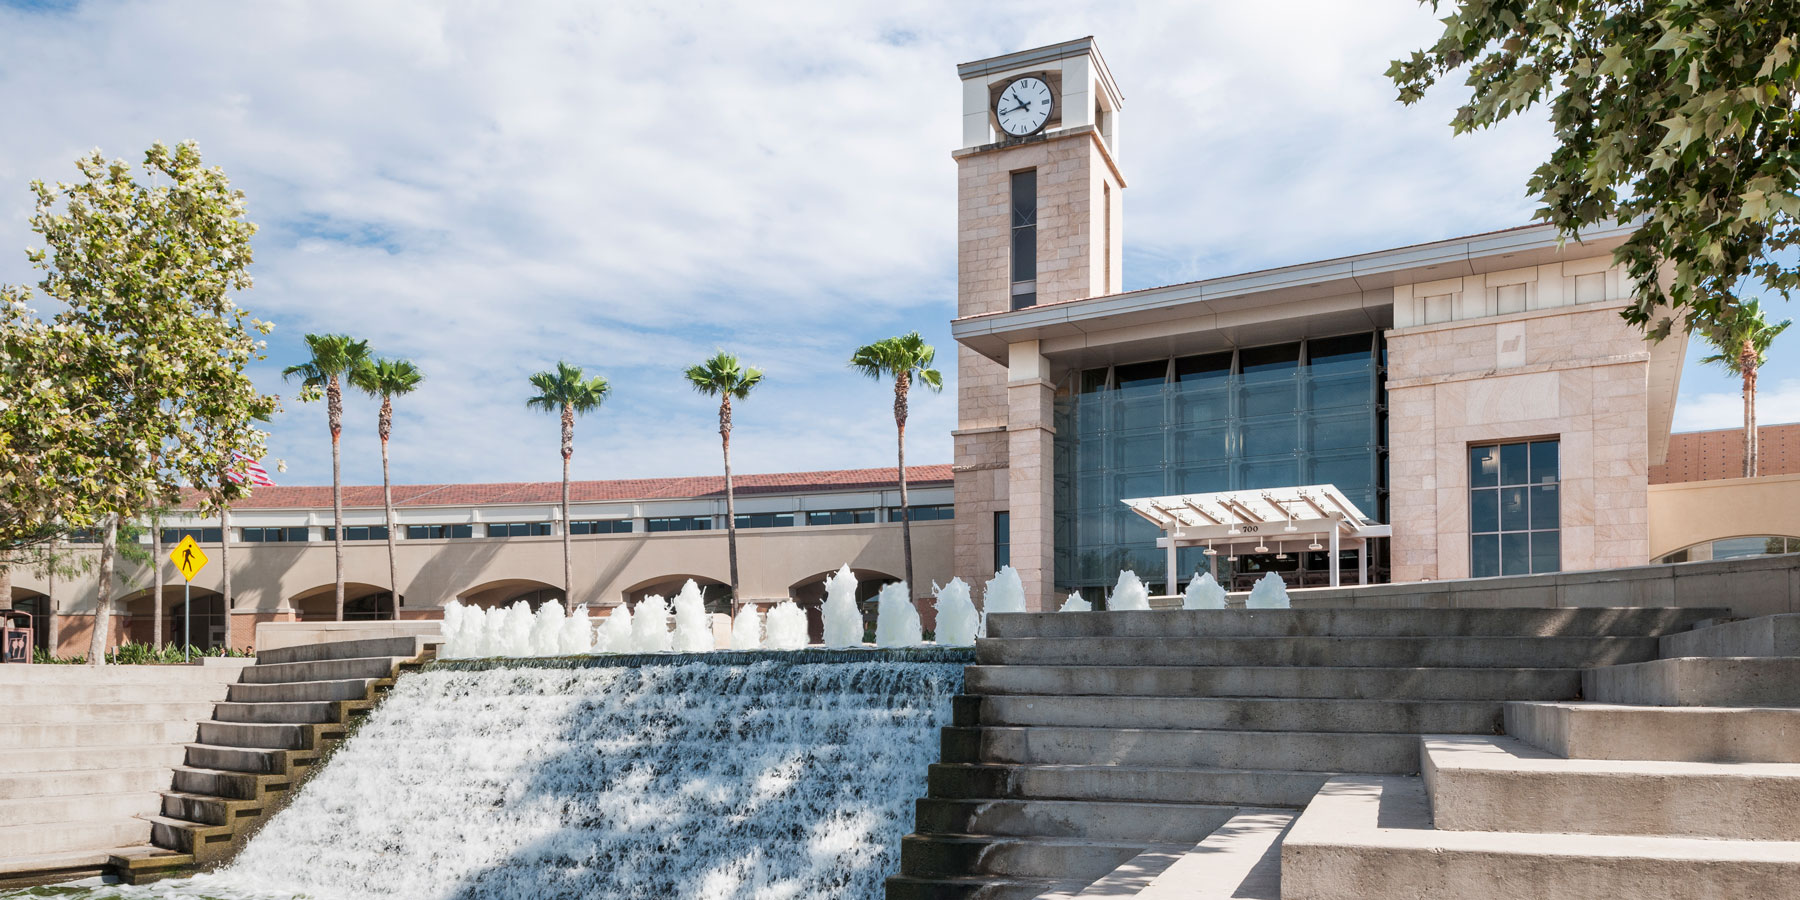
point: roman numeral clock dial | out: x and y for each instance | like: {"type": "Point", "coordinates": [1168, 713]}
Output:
{"type": "Point", "coordinates": [1024, 107]}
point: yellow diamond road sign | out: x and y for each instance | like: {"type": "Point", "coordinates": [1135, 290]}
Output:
{"type": "Point", "coordinates": [188, 558]}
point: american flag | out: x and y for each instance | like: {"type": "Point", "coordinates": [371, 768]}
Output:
{"type": "Point", "coordinates": [253, 472]}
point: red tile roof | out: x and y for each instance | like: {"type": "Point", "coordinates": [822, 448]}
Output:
{"type": "Point", "coordinates": [696, 487]}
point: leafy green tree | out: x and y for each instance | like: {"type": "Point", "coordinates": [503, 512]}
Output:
{"type": "Point", "coordinates": [904, 358]}
{"type": "Point", "coordinates": [566, 391]}
{"type": "Point", "coordinates": [147, 352]}
{"type": "Point", "coordinates": [724, 377]}
{"type": "Point", "coordinates": [1678, 114]}
{"type": "Point", "coordinates": [336, 358]}
{"type": "Point", "coordinates": [387, 379]}
{"type": "Point", "coordinates": [1742, 340]}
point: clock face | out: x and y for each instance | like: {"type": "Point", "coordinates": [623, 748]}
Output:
{"type": "Point", "coordinates": [1024, 107]}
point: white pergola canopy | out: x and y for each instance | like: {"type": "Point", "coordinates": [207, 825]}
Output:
{"type": "Point", "coordinates": [1262, 517]}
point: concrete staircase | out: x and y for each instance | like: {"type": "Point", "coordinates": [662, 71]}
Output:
{"type": "Point", "coordinates": [1167, 753]}
{"type": "Point", "coordinates": [1676, 778]}
{"type": "Point", "coordinates": [83, 753]}
{"type": "Point", "coordinates": [275, 725]}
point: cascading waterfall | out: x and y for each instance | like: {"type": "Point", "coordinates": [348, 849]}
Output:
{"type": "Point", "coordinates": [766, 777]}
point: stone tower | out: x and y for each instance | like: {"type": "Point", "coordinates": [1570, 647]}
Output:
{"type": "Point", "coordinates": [1038, 223]}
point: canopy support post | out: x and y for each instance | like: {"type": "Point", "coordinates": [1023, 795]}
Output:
{"type": "Point", "coordinates": [1332, 562]}
{"type": "Point", "coordinates": [1174, 576]}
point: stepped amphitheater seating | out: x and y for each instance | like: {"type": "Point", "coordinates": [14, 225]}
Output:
{"type": "Point", "coordinates": [187, 794]}
{"type": "Point", "coordinates": [1276, 753]}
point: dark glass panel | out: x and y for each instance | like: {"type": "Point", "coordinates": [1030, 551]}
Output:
{"type": "Point", "coordinates": [1136, 451]}
{"type": "Point", "coordinates": [1484, 511]}
{"type": "Point", "coordinates": [1276, 358]}
{"type": "Point", "coordinates": [1142, 374]}
{"type": "Point", "coordinates": [1200, 445]}
{"type": "Point", "coordinates": [462, 531]}
{"type": "Point", "coordinates": [1544, 462]}
{"type": "Point", "coordinates": [1271, 436]}
{"type": "Point", "coordinates": [1268, 395]}
{"type": "Point", "coordinates": [1024, 198]}
{"type": "Point", "coordinates": [1204, 479]}
{"type": "Point", "coordinates": [1093, 380]}
{"type": "Point", "coordinates": [1484, 466]}
{"type": "Point", "coordinates": [1270, 472]}
{"type": "Point", "coordinates": [1546, 552]}
{"type": "Point", "coordinates": [1203, 403]}
{"type": "Point", "coordinates": [1024, 259]}
{"type": "Point", "coordinates": [1342, 432]}
{"type": "Point", "coordinates": [1512, 509]}
{"type": "Point", "coordinates": [253, 535]}
{"type": "Point", "coordinates": [1544, 507]}
{"type": "Point", "coordinates": [1515, 554]}
{"type": "Point", "coordinates": [1335, 353]}
{"type": "Point", "coordinates": [1141, 412]}
{"type": "Point", "coordinates": [1350, 471]}
{"type": "Point", "coordinates": [1337, 391]}
{"type": "Point", "coordinates": [1484, 555]}
{"type": "Point", "coordinates": [1211, 368]}
{"type": "Point", "coordinates": [1513, 464]}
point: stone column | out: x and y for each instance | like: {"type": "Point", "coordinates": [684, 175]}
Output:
{"type": "Point", "coordinates": [1029, 435]}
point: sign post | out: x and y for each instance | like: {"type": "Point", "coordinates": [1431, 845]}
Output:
{"type": "Point", "coordinates": [189, 559]}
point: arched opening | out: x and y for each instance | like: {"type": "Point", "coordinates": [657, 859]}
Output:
{"type": "Point", "coordinates": [1734, 548]}
{"type": "Point", "coordinates": [205, 624]}
{"type": "Point", "coordinates": [716, 592]}
{"type": "Point", "coordinates": [37, 606]}
{"type": "Point", "coordinates": [809, 594]}
{"type": "Point", "coordinates": [362, 603]}
{"type": "Point", "coordinates": [509, 591]}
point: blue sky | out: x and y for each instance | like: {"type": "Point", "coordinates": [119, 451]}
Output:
{"type": "Point", "coordinates": [629, 186]}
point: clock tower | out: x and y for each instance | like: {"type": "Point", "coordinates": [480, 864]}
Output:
{"type": "Point", "coordinates": [1038, 223]}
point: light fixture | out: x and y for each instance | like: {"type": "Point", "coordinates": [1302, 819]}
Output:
{"type": "Point", "coordinates": [1209, 551]}
{"type": "Point", "coordinates": [1282, 554]}
{"type": "Point", "coordinates": [1315, 545]}
{"type": "Point", "coordinates": [1232, 557]}
{"type": "Point", "coordinates": [1260, 548]}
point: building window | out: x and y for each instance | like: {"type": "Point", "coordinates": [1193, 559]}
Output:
{"type": "Point", "coordinates": [84, 536]}
{"type": "Point", "coordinates": [438, 532]}
{"type": "Point", "coordinates": [203, 535]}
{"type": "Point", "coordinates": [840, 517]}
{"type": "Point", "coordinates": [601, 526]}
{"type": "Point", "coordinates": [1024, 239]}
{"type": "Point", "coordinates": [517, 529]}
{"type": "Point", "coordinates": [924, 513]}
{"type": "Point", "coordinates": [358, 533]}
{"type": "Point", "coordinates": [274, 535]}
{"type": "Point", "coordinates": [680, 523]}
{"type": "Point", "coordinates": [1734, 548]}
{"type": "Point", "coordinates": [765, 520]}
{"type": "Point", "coordinates": [1515, 525]}
{"type": "Point", "coordinates": [1002, 540]}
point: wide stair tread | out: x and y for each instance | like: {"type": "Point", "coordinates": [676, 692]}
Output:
{"type": "Point", "coordinates": [375, 667]}
{"type": "Point", "coordinates": [1385, 652]}
{"type": "Point", "coordinates": [973, 887]}
{"type": "Point", "coordinates": [1280, 682]}
{"type": "Point", "coordinates": [1353, 622]}
{"type": "Point", "coordinates": [1233, 713]}
{"type": "Point", "coordinates": [1124, 783]}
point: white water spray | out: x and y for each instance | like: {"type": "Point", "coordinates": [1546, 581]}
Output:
{"type": "Point", "coordinates": [1203, 592]}
{"type": "Point", "coordinates": [577, 633]}
{"type": "Point", "coordinates": [650, 626]}
{"type": "Point", "coordinates": [786, 627]}
{"type": "Point", "coordinates": [1129, 593]}
{"type": "Point", "coordinates": [843, 621]}
{"type": "Point", "coordinates": [896, 618]}
{"type": "Point", "coordinates": [546, 629]}
{"type": "Point", "coordinates": [746, 629]}
{"type": "Point", "coordinates": [693, 627]}
{"type": "Point", "coordinates": [1005, 592]}
{"type": "Point", "coordinates": [1076, 603]}
{"type": "Point", "coordinates": [1269, 593]}
{"type": "Point", "coordinates": [615, 632]}
{"type": "Point", "coordinates": [957, 619]}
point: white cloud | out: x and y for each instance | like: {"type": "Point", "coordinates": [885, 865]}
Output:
{"type": "Point", "coordinates": [1776, 402]}
{"type": "Point", "coordinates": [486, 188]}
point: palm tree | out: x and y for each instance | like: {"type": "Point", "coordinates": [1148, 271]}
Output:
{"type": "Point", "coordinates": [1742, 339]}
{"type": "Point", "coordinates": [902, 358]}
{"type": "Point", "coordinates": [568, 392]}
{"type": "Point", "coordinates": [387, 379]}
{"type": "Point", "coordinates": [335, 358]}
{"type": "Point", "coordinates": [724, 377]}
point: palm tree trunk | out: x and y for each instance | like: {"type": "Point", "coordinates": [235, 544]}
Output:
{"type": "Point", "coordinates": [52, 622]}
{"type": "Point", "coordinates": [900, 386]}
{"type": "Point", "coordinates": [568, 450]}
{"type": "Point", "coordinates": [730, 499]}
{"type": "Point", "coordinates": [5, 584]}
{"type": "Point", "coordinates": [109, 545]}
{"type": "Point", "coordinates": [156, 581]}
{"type": "Point", "coordinates": [1747, 363]}
{"type": "Point", "coordinates": [387, 506]}
{"type": "Point", "coordinates": [335, 410]}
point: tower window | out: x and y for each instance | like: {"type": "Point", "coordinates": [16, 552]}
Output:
{"type": "Point", "coordinates": [1024, 239]}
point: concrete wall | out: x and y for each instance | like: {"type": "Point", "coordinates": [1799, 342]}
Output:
{"type": "Point", "coordinates": [1688, 513]}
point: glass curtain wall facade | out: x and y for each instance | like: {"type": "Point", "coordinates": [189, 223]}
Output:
{"type": "Point", "coordinates": [1309, 412]}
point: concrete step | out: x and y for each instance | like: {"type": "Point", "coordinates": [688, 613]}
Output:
{"type": "Point", "coordinates": [1175, 784]}
{"type": "Point", "coordinates": [204, 841]}
{"type": "Point", "coordinates": [256, 734]}
{"type": "Point", "coordinates": [207, 809]}
{"type": "Point", "coordinates": [253, 760]}
{"type": "Point", "coordinates": [1249, 714]}
{"type": "Point", "coordinates": [1762, 636]}
{"type": "Point", "coordinates": [972, 887]}
{"type": "Point", "coordinates": [63, 712]}
{"type": "Point", "coordinates": [35, 869]}
{"type": "Point", "coordinates": [1502, 784]}
{"type": "Point", "coordinates": [76, 808]}
{"type": "Point", "coordinates": [1671, 733]}
{"type": "Point", "coordinates": [406, 646]}
{"type": "Point", "coordinates": [1239, 861]}
{"type": "Point", "coordinates": [323, 670]}
{"type": "Point", "coordinates": [305, 712]}
{"type": "Point", "coordinates": [302, 691]}
{"type": "Point", "coordinates": [1697, 681]}
{"type": "Point", "coordinates": [79, 781]}
{"type": "Point", "coordinates": [1299, 751]}
{"type": "Point", "coordinates": [1351, 683]}
{"type": "Point", "coordinates": [74, 759]}
{"type": "Point", "coordinates": [1499, 622]}
{"type": "Point", "coordinates": [230, 785]}
{"type": "Point", "coordinates": [94, 734]}
{"type": "Point", "coordinates": [1369, 836]}
{"type": "Point", "coordinates": [1106, 820]}
{"type": "Point", "coordinates": [143, 693]}
{"type": "Point", "coordinates": [170, 675]}
{"type": "Point", "coordinates": [1069, 859]}
{"type": "Point", "coordinates": [1384, 652]}
{"type": "Point", "coordinates": [66, 837]}
{"type": "Point", "coordinates": [141, 865]}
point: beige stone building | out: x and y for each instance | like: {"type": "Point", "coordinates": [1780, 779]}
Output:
{"type": "Point", "coordinates": [1480, 395]}
{"type": "Point", "coordinates": [494, 544]}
